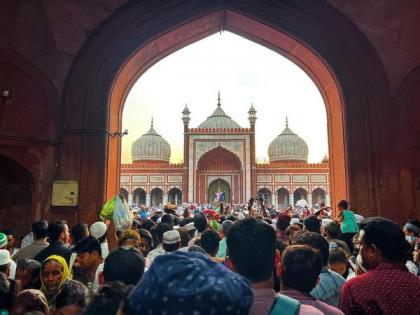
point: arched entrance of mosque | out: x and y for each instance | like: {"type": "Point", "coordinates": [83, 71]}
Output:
{"type": "Point", "coordinates": [283, 200]}
{"type": "Point", "coordinates": [219, 190]}
{"type": "Point", "coordinates": [139, 196]}
{"type": "Point", "coordinates": [266, 194]}
{"type": "Point", "coordinates": [16, 187]}
{"type": "Point", "coordinates": [175, 196]}
{"type": "Point", "coordinates": [219, 166]}
{"type": "Point", "coordinates": [105, 71]}
{"type": "Point", "coordinates": [318, 196]}
{"type": "Point", "coordinates": [156, 197]}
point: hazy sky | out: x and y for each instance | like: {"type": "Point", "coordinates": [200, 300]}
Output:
{"type": "Point", "coordinates": [245, 73]}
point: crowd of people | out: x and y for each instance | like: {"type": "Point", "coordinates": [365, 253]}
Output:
{"type": "Point", "coordinates": [224, 260]}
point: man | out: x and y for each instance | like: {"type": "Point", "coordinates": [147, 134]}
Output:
{"type": "Point", "coordinates": [200, 223]}
{"type": "Point", "coordinates": [331, 232]}
{"type": "Point", "coordinates": [99, 231]}
{"type": "Point", "coordinates": [412, 231]}
{"type": "Point", "coordinates": [387, 287]}
{"type": "Point", "coordinates": [210, 243]}
{"type": "Point", "coordinates": [12, 265]}
{"type": "Point", "coordinates": [171, 241]}
{"type": "Point", "coordinates": [39, 231]}
{"type": "Point", "coordinates": [145, 241]}
{"type": "Point", "coordinates": [299, 272]}
{"type": "Point", "coordinates": [348, 223]}
{"type": "Point", "coordinates": [79, 232]}
{"type": "Point", "coordinates": [124, 264]}
{"type": "Point", "coordinates": [89, 258]}
{"type": "Point", "coordinates": [329, 286]}
{"type": "Point", "coordinates": [251, 251]}
{"type": "Point", "coordinates": [160, 229]}
{"type": "Point", "coordinates": [28, 274]}
{"type": "Point", "coordinates": [5, 262]}
{"type": "Point", "coordinates": [312, 224]}
{"type": "Point", "coordinates": [129, 238]}
{"type": "Point", "coordinates": [226, 225]}
{"type": "Point", "coordinates": [58, 233]}
{"type": "Point", "coordinates": [11, 237]}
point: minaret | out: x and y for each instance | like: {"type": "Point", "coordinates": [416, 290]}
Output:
{"type": "Point", "coordinates": [252, 119]}
{"type": "Point", "coordinates": [186, 119]}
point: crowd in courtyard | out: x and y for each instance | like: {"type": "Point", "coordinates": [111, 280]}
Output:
{"type": "Point", "coordinates": [214, 259]}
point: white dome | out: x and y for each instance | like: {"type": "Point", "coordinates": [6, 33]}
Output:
{"type": "Point", "coordinates": [151, 147]}
{"type": "Point", "coordinates": [219, 119]}
{"type": "Point", "coordinates": [288, 147]}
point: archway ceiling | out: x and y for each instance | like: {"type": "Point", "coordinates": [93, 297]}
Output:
{"type": "Point", "coordinates": [219, 159]}
{"type": "Point", "coordinates": [51, 33]}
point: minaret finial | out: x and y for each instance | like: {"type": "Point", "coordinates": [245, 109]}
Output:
{"type": "Point", "coordinates": [287, 122]}
{"type": "Point", "coordinates": [151, 125]}
{"type": "Point", "coordinates": [218, 99]}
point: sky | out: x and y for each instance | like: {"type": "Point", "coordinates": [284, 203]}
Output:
{"type": "Point", "coordinates": [244, 72]}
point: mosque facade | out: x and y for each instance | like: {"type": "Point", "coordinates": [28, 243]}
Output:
{"type": "Point", "coordinates": [220, 165]}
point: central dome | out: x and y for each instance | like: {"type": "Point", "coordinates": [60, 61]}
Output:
{"type": "Point", "coordinates": [288, 147]}
{"type": "Point", "coordinates": [219, 119]}
{"type": "Point", "coordinates": [151, 147]}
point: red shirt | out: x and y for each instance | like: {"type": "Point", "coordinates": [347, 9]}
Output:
{"type": "Point", "coordinates": [388, 289]}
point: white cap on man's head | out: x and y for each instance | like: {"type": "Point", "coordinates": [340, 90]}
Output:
{"type": "Point", "coordinates": [4, 257]}
{"type": "Point", "coordinates": [98, 229]}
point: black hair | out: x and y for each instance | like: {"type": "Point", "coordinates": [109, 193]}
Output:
{"type": "Point", "coordinates": [34, 267]}
{"type": "Point", "coordinates": [301, 268]}
{"type": "Point", "coordinates": [316, 241]}
{"type": "Point", "coordinates": [55, 229]}
{"type": "Point", "coordinates": [109, 298]}
{"type": "Point", "coordinates": [3, 268]}
{"type": "Point", "coordinates": [124, 264]}
{"type": "Point", "coordinates": [312, 224]}
{"type": "Point", "coordinates": [387, 236]}
{"type": "Point", "coordinates": [210, 242]}
{"type": "Point", "coordinates": [344, 204]}
{"type": "Point", "coordinates": [167, 219]}
{"type": "Point", "coordinates": [185, 237]}
{"type": "Point", "coordinates": [88, 245]}
{"type": "Point", "coordinates": [146, 235]}
{"type": "Point", "coordinates": [39, 229]}
{"type": "Point", "coordinates": [333, 229]}
{"type": "Point", "coordinates": [200, 222]}
{"type": "Point", "coordinates": [7, 291]}
{"type": "Point", "coordinates": [147, 224]}
{"type": "Point", "coordinates": [9, 231]}
{"type": "Point", "coordinates": [171, 247]}
{"type": "Point", "coordinates": [337, 256]}
{"type": "Point", "coordinates": [160, 229]}
{"type": "Point", "coordinates": [78, 232]}
{"type": "Point", "coordinates": [251, 244]}
{"type": "Point", "coordinates": [72, 293]}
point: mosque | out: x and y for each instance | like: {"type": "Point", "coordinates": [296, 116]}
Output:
{"type": "Point", "coordinates": [219, 160]}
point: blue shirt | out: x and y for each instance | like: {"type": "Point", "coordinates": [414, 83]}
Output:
{"type": "Point", "coordinates": [328, 288]}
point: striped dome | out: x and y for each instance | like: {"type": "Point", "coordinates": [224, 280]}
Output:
{"type": "Point", "coordinates": [219, 119]}
{"type": "Point", "coordinates": [151, 147]}
{"type": "Point", "coordinates": [288, 147]}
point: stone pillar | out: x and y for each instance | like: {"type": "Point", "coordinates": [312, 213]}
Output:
{"type": "Point", "coordinates": [148, 204]}
{"type": "Point", "coordinates": [292, 199]}
{"type": "Point", "coordinates": [327, 200]}
{"type": "Point", "coordinates": [130, 199]}
{"type": "Point", "coordinates": [310, 200]}
{"type": "Point", "coordinates": [176, 199]}
{"type": "Point", "coordinates": [164, 199]}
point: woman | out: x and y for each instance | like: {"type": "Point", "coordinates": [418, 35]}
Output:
{"type": "Point", "coordinates": [54, 273]}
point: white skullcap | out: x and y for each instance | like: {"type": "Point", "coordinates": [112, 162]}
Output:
{"type": "Point", "coordinates": [98, 229]}
{"type": "Point", "coordinates": [4, 257]}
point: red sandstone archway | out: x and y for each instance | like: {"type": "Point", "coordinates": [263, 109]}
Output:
{"type": "Point", "coordinates": [219, 164]}
{"type": "Point", "coordinates": [314, 35]}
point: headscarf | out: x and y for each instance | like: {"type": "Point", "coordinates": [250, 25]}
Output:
{"type": "Point", "coordinates": [190, 283]}
{"type": "Point", "coordinates": [66, 271]}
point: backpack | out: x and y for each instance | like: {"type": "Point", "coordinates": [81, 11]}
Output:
{"type": "Point", "coordinates": [285, 305]}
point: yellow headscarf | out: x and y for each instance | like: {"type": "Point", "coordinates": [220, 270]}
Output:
{"type": "Point", "coordinates": [66, 271]}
